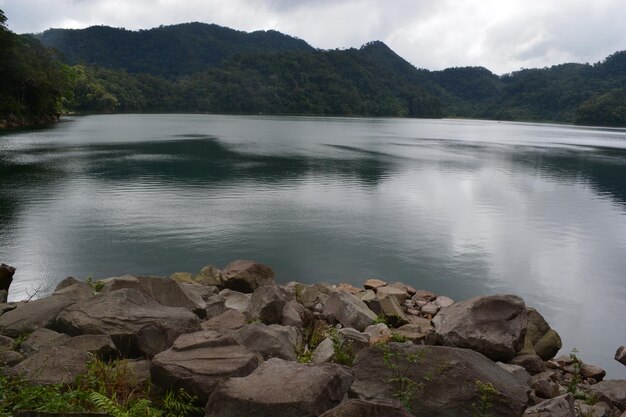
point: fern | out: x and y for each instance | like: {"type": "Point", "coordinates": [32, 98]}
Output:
{"type": "Point", "coordinates": [107, 405]}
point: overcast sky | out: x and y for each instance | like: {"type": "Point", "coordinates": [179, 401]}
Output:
{"type": "Point", "coordinates": [502, 35]}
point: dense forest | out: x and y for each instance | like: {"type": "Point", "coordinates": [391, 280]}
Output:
{"type": "Point", "coordinates": [197, 67]}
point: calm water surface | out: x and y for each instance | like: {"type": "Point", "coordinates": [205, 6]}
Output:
{"type": "Point", "coordinates": [458, 207]}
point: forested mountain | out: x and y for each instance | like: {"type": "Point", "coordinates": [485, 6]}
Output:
{"type": "Point", "coordinates": [207, 68]}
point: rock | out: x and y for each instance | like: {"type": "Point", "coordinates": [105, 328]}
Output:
{"type": "Point", "coordinates": [592, 371]}
{"type": "Point", "coordinates": [448, 376]}
{"type": "Point", "coordinates": [612, 392]}
{"type": "Point", "coordinates": [140, 371]}
{"type": "Point", "coordinates": [361, 408]}
{"type": "Point", "coordinates": [154, 338]}
{"type": "Point", "coordinates": [423, 295]}
{"type": "Point", "coordinates": [291, 316]}
{"type": "Point", "coordinates": [391, 308]}
{"type": "Point", "coordinates": [55, 365]}
{"type": "Point", "coordinates": [443, 301]}
{"type": "Point", "coordinates": [6, 343]}
{"type": "Point", "coordinates": [4, 296]}
{"type": "Point", "coordinates": [374, 284]}
{"type": "Point", "coordinates": [348, 288]}
{"type": "Point", "coordinates": [430, 309]}
{"type": "Point", "coordinates": [312, 389]}
{"type": "Point", "coordinates": [348, 310]}
{"type": "Point", "coordinates": [620, 355]}
{"type": "Point", "coordinates": [544, 385]}
{"type": "Point", "coordinates": [532, 363]}
{"type": "Point", "coordinates": [42, 339]}
{"type": "Point", "coordinates": [225, 322]}
{"type": "Point", "coordinates": [10, 358]}
{"type": "Point", "coordinates": [293, 334]}
{"type": "Point", "coordinates": [366, 296]}
{"type": "Point", "coordinates": [210, 275]}
{"type": "Point", "coordinates": [517, 371]}
{"type": "Point", "coordinates": [67, 282]}
{"type": "Point", "coordinates": [597, 410]}
{"type": "Point", "coordinates": [353, 339]}
{"type": "Point", "coordinates": [413, 332]}
{"type": "Point", "coordinates": [186, 277]}
{"type": "Point", "coordinates": [406, 288]}
{"type": "Point", "coordinates": [97, 344]}
{"type": "Point", "coordinates": [6, 277]}
{"type": "Point", "coordinates": [562, 406]}
{"type": "Point", "coordinates": [494, 326]}
{"type": "Point", "coordinates": [266, 304]}
{"type": "Point", "coordinates": [540, 338]}
{"type": "Point", "coordinates": [314, 294]}
{"type": "Point", "coordinates": [215, 306]}
{"type": "Point", "coordinates": [74, 289]}
{"type": "Point", "coordinates": [198, 361]}
{"type": "Point", "coordinates": [247, 276]}
{"type": "Point", "coordinates": [389, 291]}
{"type": "Point", "coordinates": [236, 300]}
{"type": "Point", "coordinates": [324, 352]}
{"type": "Point", "coordinates": [378, 333]}
{"type": "Point", "coordinates": [30, 316]}
{"type": "Point", "coordinates": [122, 314]}
{"type": "Point", "coordinates": [269, 343]}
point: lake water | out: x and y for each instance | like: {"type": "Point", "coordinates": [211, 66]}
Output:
{"type": "Point", "coordinates": [462, 208]}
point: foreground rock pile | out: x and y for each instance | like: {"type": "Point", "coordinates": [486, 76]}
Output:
{"type": "Point", "coordinates": [246, 346]}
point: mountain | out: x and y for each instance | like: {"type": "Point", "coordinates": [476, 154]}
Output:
{"type": "Point", "coordinates": [169, 51]}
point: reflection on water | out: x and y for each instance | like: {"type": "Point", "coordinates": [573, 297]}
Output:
{"type": "Point", "coordinates": [458, 207]}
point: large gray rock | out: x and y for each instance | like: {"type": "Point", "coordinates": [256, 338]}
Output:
{"type": "Point", "coordinates": [42, 339]}
{"type": "Point", "coordinates": [235, 300]}
{"type": "Point", "coordinates": [154, 338]}
{"type": "Point", "coordinates": [4, 307]}
{"type": "Point", "coordinates": [28, 317]}
{"type": "Point", "coordinates": [540, 338]}
{"type": "Point", "coordinates": [246, 276]}
{"type": "Point", "coordinates": [311, 295]}
{"type": "Point", "coordinates": [612, 392]}
{"type": "Point", "coordinates": [324, 352]}
{"type": "Point", "coordinates": [266, 304]}
{"type": "Point", "coordinates": [98, 345]}
{"type": "Point", "coordinates": [121, 314]}
{"type": "Point", "coordinates": [6, 343]}
{"type": "Point", "coordinates": [55, 365]}
{"type": "Point", "coordinates": [198, 361]}
{"type": "Point", "coordinates": [10, 357]}
{"type": "Point", "coordinates": [393, 311]}
{"type": "Point", "coordinates": [494, 326]}
{"type": "Point", "coordinates": [225, 322]}
{"type": "Point", "coordinates": [281, 388]}
{"type": "Point", "coordinates": [6, 277]}
{"type": "Point", "coordinates": [4, 296]}
{"type": "Point", "coordinates": [562, 406]}
{"type": "Point", "coordinates": [620, 355]}
{"type": "Point", "coordinates": [268, 342]}
{"type": "Point", "coordinates": [361, 408]}
{"type": "Point", "coordinates": [348, 310]}
{"type": "Point", "coordinates": [449, 377]}
{"type": "Point", "coordinates": [210, 275]}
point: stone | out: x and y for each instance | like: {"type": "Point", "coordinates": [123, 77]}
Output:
{"type": "Point", "coordinates": [290, 315]}
{"type": "Point", "coordinates": [6, 343]}
{"type": "Point", "coordinates": [154, 338]}
{"type": "Point", "coordinates": [430, 309]}
{"type": "Point", "coordinates": [353, 339]}
{"type": "Point", "coordinates": [620, 355]}
{"type": "Point", "coordinates": [348, 310]}
{"type": "Point", "coordinates": [140, 371]}
{"type": "Point", "coordinates": [404, 287]}
{"type": "Point", "coordinates": [30, 316]}
{"type": "Point", "coordinates": [540, 339]}
{"type": "Point", "coordinates": [10, 357]}
{"type": "Point", "coordinates": [210, 275]}
{"type": "Point", "coordinates": [314, 294]}
{"type": "Point", "coordinates": [361, 408]}
{"type": "Point", "coordinates": [235, 300]}
{"type": "Point", "coordinates": [4, 296]}
{"type": "Point", "coordinates": [532, 363]}
{"type": "Point", "coordinates": [517, 371]}
{"type": "Point", "coordinates": [374, 284]}
{"type": "Point", "coordinates": [597, 410]}
{"type": "Point", "coordinates": [74, 289]}
{"type": "Point", "coordinates": [378, 333]}
{"type": "Point", "coordinates": [121, 314]}
{"type": "Point", "coordinates": [67, 282]}
{"type": "Point", "coordinates": [225, 322]}
{"type": "Point", "coordinates": [98, 345]}
{"type": "Point", "coordinates": [366, 296]}
{"type": "Point", "coordinates": [544, 385]}
{"type": "Point", "coordinates": [6, 277]}
{"type": "Point", "coordinates": [413, 332]}
{"type": "Point", "coordinates": [443, 301]}
{"type": "Point", "coordinates": [494, 325]}
{"type": "Point", "coordinates": [423, 295]}
{"type": "Point", "coordinates": [562, 406]}
{"type": "Point", "coordinates": [266, 304]}
{"type": "Point", "coordinates": [612, 392]}
{"type": "Point", "coordinates": [281, 388]}
{"type": "Point", "coordinates": [187, 277]}
{"type": "Point", "coordinates": [198, 361]}
{"type": "Point", "coordinates": [324, 352]}
{"type": "Point", "coordinates": [389, 291]}
{"type": "Point", "coordinates": [391, 308]}
{"type": "Point", "coordinates": [449, 376]}
{"type": "Point", "coordinates": [54, 365]}
{"type": "Point", "coordinates": [266, 341]}
{"type": "Point", "coordinates": [348, 288]}
{"type": "Point", "coordinates": [41, 339]}
{"type": "Point", "coordinates": [246, 276]}
{"type": "Point", "coordinates": [592, 371]}
{"type": "Point", "coordinates": [215, 306]}
{"type": "Point", "coordinates": [293, 334]}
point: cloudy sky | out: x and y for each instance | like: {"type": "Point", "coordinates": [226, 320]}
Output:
{"type": "Point", "coordinates": [502, 35]}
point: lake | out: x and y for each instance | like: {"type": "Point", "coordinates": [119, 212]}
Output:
{"type": "Point", "coordinates": [459, 207]}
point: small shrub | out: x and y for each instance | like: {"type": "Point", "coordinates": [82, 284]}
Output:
{"type": "Point", "coordinates": [399, 338]}
{"type": "Point", "coordinates": [482, 408]}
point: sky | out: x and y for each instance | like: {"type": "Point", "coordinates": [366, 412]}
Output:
{"type": "Point", "coordinates": [501, 35]}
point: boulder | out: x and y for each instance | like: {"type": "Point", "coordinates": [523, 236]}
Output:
{"type": "Point", "coordinates": [281, 388]}
{"type": "Point", "coordinates": [98, 345]}
{"type": "Point", "coordinates": [612, 392]}
{"type": "Point", "coordinates": [353, 339]}
{"type": "Point", "coordinates": [235, 300]}
{"type": "Point", "coordinates": [215, 306]}
{"type": "Point", "coordinates": [348, 288]}
{"type": "Point", "coordinates": [266, 341]}
{"type": "Point", "coordinates": [517, 371]}
{"type": "Point", "coordinates": [592, 371]}
{"type": "Point", "coordinates": [4, 296]}
{"type": "Point", "coordinates": [6, 343]}
{"type": "Point", "coordinates": [30, 316]}
{"type": "Point", "coordinates": [404, 287]}
{"type": "Point", "coordinates": [443, 301]}
{"type": "Point", "coordinates": [74, 289]}
{"type": "Point", "coordinates": [210, 275]}
{"type": "Point", "coordinates": [55, 365]}
{"type": "Point", "coordinates": [544, 385]}
{"type": "Point", "coordinates": [423, 295]}
{"type": "Point", "coordinates": [361, 408]}
{"type": "Point", "coordinates": [378, 333]}
{"type": "Point", "coordinates": [155, 337]}
{"type": "Point", "coordinates": [42, 339]}
{"type": "Point", "coordinates": [246, 276]}
{"type": "Point", "coordinates": [389, 291]}
{"type": "Point", "coordinates": [562, 406]}
{"type": "Point", "coordinates": [291, 315]}
{"type": "Point", "coordinates": [4, 307]}
{"type": "Point", "coordinates": [225, 322]}
{"type": "Point", "coordinates": [620, 355]}
{"type": "Point", "coordinates": [444, 375]}
{"type": "Point", "coordinates": [198, 361]}
{"type": "Point", "coordinates": [430, 309]}
{"type": "Point", "coordinates": [266, 304]}
{"type": "Point", "coordinates": [374, 284]}
{"type": "Point", "coordinates": [348, 310]}
{"type": "Point", "coordinates": [6, 277]}
{"type": "Point", "coordinates": [391, 308]}
{"type": "Point", "coordinates": [494, 326]}
{"type": "Point", "coordinates": [10, 357]}
{"type": "Point", "coordinates": [597, 410]}
{"type": "Point", "coordinates": [121, 314]}
{"type": "Point", "coordinates": [413, 332]}
{"type": "Point", "coordinates": [532, 363]}
{"type": "Point", "coordinates": [67, 282]}
{"type": "Point", "coordinates": [291, 333]}
{"type": "Point", "coordinates": [314, 294]}
{"type": "Point", "coordinates": [324, 352]}
{"type": "Point", "coordinates": [540, 338]}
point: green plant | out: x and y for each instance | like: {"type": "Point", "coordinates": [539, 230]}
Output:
{"type": "Point", "coordinates": [140, 408]}
{"type": "Point", "coordinates": [96, 286]}
{"type": "Point", "coordinates": [304, 355]}
{"type": "Point", "coordinates": [344, 354]}
{"type": "Point", "coordinates": [180, 404]}
{"type": "Point", "coordinates": [482, 408]}
{"type": "Point", "coordinates": [399, 338]}
{"type": "Point", "coordinates": [400, 366]}
{"type": "Point", "coordinates": [20, 339]}
{"type": "Point", "coordinates": [381, 319]}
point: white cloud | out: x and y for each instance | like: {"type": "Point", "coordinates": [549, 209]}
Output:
{"type": "Point", "coordinates": [502, 35]}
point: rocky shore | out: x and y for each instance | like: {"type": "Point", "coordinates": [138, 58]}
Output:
{"type": "Point", "coordinates": [14, 122]}
{"type": "Point", "coordinates": [245, 346]}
